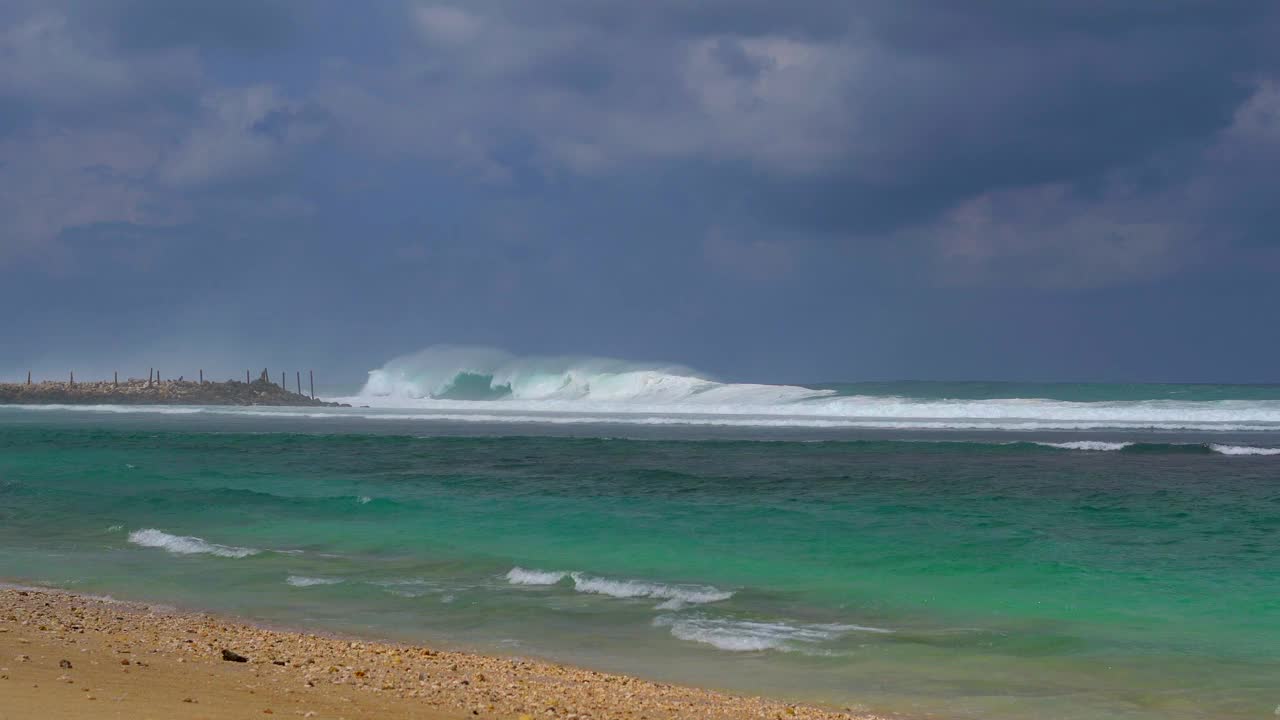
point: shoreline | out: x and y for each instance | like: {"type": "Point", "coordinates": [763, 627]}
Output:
{"type": "Point", "coordinates": [131, 659]}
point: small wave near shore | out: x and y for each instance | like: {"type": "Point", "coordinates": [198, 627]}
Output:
{"type": "Point", "coordinates": [187, 545]}
{"type": "Point", "coordinates": [623, 589]}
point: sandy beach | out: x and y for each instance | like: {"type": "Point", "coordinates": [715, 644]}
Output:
{"type": "Point", "coordinates": [70, 656]}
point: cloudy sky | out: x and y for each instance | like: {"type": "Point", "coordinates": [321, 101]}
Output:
{"type": "Point", "coordinates": [789, 191]}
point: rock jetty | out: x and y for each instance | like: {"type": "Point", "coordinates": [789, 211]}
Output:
{"type": "Point", "coordinates": [157, 392]}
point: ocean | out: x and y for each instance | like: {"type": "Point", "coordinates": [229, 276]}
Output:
{"type": "Point", "coordinates": [970, 550]}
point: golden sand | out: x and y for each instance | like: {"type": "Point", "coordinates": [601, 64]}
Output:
{"type": "Point", "coordinates": [68, 656]}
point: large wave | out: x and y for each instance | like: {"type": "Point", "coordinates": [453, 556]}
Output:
{"type": "Point", "coordinates": [451, 372]}
{"type": "Point", "coordinates": [461, 383]}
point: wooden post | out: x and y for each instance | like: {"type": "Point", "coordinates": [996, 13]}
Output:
{"type": "Point", "coordinates": [311, 374]}
{"type": "Point", "coordinates": [73, 378]}
{"type": "Point", "coordinates": [150, 372]}
{"type": "Point", "coordinates": [201, 376]}
{"type": "Point", "coordinates": [299, 378]}
{"type": "Point", "coordinates": [28, 377]}
{"type": "Point", "coordinates": [115, 378]}
{"type": "Point", "coordinates": [246, 377]}
{"type": "Point", "coordinates": [283, 385]}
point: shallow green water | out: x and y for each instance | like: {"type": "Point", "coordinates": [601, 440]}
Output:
{"type": "Point", "coordinates": [971, 579]}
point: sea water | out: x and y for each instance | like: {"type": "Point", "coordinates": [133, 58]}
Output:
{"type": "Point", "coordinates": [971, 559]}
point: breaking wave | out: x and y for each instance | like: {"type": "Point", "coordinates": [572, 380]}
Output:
{"type": "Point", "coordinates": [304, 581]}
{"type": "Point", "coordinates": [1094, 445]}
{"type": "Point", "coordinates": [755, 636]}
{"type": "Point", "coordinates": [520, 576]}
{"type": "Point", "coordinates": [1243, 450]}
{"type": "Point", "coordinates": [487, 374]}
{"type": "Point", "coordinates": [186, 545]}
{"type": "Point", "coordinates": [479, 384]}
{"type": "Point", "coordinates": [674, 595]}
{"type": "Point", "coordinates": [458, 384]}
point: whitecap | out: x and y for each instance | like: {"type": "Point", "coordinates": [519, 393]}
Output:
{"type": "Point", "coordinates": [756, 636]}
{"type": "Point", "coordinates": [304, 581]}
{"type": "Point", "coordinates": [837, 413]}
{"type": "Point", "coordinates": [521, 576]}
{"type": "Point", "coordinates": [674, 595]}
{"type": "Point", "coordinates": [603, 390]}
{"type": "Point", "coordinates": [1093, 445]}
{"type": "Point", "coordinates": [692, 594]}
{"type": "Point", "coordinates": [186, 545]}
{"type": "Point", "coordinates": [1244, 450]}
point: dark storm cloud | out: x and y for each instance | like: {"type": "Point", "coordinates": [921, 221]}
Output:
{"type": "Point", "coordinates": [471, 168]}
{"type": "Point", "coordinates": [252, 25]}
{"type": "Point", "coordinates": [905, 94]}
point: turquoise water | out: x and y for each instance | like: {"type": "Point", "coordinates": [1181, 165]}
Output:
{"type": "Point", "coordinates": [968, 574]}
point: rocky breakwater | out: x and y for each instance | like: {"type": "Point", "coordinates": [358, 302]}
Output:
{"type": "Point", "coordinates": [157, 392]}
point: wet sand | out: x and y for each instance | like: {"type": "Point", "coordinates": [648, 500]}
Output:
{"type": "Point", "coordinates": [70, 656]}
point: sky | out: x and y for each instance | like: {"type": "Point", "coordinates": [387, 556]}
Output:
{"type": "Point", "coordinates": [806, 191]}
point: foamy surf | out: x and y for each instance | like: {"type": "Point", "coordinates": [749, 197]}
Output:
{"type": "Point", "coordinates": [302, 581]}
{"type": "Point", "coordinates": [457, 384]}
{"type": "Point", "coordinates": [521, 576]}
{"type": "Point", "coordinates": [582, 414]}
{"type": "Point", "coordinates": [693, 594]}
{"type": "Point", "coordinates": [186, 545]}
{"type": "Point", "coordinates": [1090, 445]}
{"type": "Point", "coordinates": [674, 594]}
{"type": "Point", "coordinates": [1243, 450]}
{"type": "Point", "coordinates": [756, 636]}
{"type": "Point", "coordinates": [477, 384]}
{"type": "Point", "coordinates": [846, 412]}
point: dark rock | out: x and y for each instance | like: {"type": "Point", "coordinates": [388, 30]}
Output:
{"type": "Point", "coordinates": [64, 664]}
{"type": "Point", "coordinates": [169, 392]}
{"type": "Point", "coordinates": [233, 656]}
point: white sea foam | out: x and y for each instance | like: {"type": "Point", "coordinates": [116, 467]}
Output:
{"type": "Point", "coordinates": [439, 371]}
{"type": "Point", "coordinates": [1093, 445]}
{"type": "Point", "coordinates": [1244, 450]}
{"type": "Point", "coordinates": [1200, 416]}
{"type": "Point", "coordinates": [186, 545]}
{"type": "Point", "coordinates": [693, 594]}
{"type": "Point", "coordinates": [512, 389]}
{"type": "Point", "coordinates": [304, 581]}
{"type": "Point", "coordinates": [364, 499]}
{"type": "Point", "coordinates": [675, 595]}
{"type": "Point", "coordinates": [500, 412]}
{"type": "Point", "coordinates": [842, 412]}
{"type": "Point", "coordinates": [521, 576]}
{"type": "Point", "coordinates": [755, 636]}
